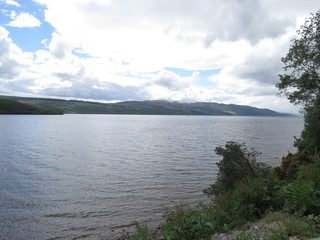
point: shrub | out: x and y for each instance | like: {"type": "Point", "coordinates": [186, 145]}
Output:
{"type": "Point", "coordinates": [256, 197]}
{"type": "Point", "coordinates": [188, 224]}
{"type": "Point", "coordinates": [238, 164]}
{"type": "Point", "coordinates": [142, 233]}
{"type": "Point", "coordinates": [310, 135]}
{"type": "Point", "coordinates": [301, 197]}
{"type": "Point", "coordinates": [311, 172]}
{"type": "Point", "coordinates": [291, 164]}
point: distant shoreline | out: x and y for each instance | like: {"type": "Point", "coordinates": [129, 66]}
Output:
{"type": "Point", "coordinates": [14, 107]}
{"type": "Point", "coordinates": [156, 107]}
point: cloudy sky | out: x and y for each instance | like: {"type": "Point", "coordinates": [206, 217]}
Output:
{"type": "Point", "coordinates": [225, 51]}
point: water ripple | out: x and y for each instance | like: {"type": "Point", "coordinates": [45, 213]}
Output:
{"type": "Point", "coordinates": [90, 176]}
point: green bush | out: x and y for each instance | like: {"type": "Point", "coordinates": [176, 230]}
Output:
{"type": "Point", "coordinates": [310, 135]}
{"type": "Point", "coordinates": [256, 197]}
{"type": "Point", "coordinates": [291, 164]}
{"type": "Point", "coordinates": [228, 213]}
{"type": "Point", "coordinates": [142, 233]}
{"type": "Point", "coordinates": [301, 197]}
{"type": "Point", "coordinates": [188, 224]}
{"type": "Point", "coordinates": [311, 172]}
{"type": "Point", "coordinates": [238, 164]}
{"type": "Point", "coordinates": [301, 194]}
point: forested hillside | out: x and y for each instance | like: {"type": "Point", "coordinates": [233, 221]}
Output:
{"type": "Point", "coordinates": [146, 107]}
{"type": "Point", "coordinates": [14, 107]}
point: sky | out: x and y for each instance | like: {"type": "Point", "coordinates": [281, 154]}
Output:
{"type": "Point", "coordinates": [225, 51]}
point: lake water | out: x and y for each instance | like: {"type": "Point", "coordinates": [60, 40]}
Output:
{"type": "Point", "coordinates": [87, 176]}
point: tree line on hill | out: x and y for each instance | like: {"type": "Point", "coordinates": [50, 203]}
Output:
{"type": "Point", "coordinates": [14, 107]}
{"type": "Point", "coordinates": [146, 107]}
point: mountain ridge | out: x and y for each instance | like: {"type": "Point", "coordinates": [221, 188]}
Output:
{"type": "Point", "coordinates": [147, 107]}
{"type": "Point", "coordinates": [8, 106]}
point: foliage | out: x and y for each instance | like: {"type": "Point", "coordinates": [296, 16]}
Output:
{"type": "Point", "coordinates": [188, 224]}
{"type": "Point", "coordinates": [253, 198]}
{"type": "Point", "coordinates": [301, 82]}
{"type": "Point", "coordinates": [301, 191]}
{"type": "Point", "coordinates": [291, 164]}
{"type": "Point", "coordinates": [311, 172]}
{"type": "Point", "coordinates": [301, 198]}
{"type": "Point", "coordinates": [246, 202]}
{"type": "Point", "coordinates": [146, 107]}
{"type": "Point", "coordinates": [256, 197]}
{"type": "Point", "coordinates": [13, 107]}
{"type": "Point", "coordinates": [142, 233]}
{"type": "Point", "coordinates": [278, 234]}
{"type": "Point", "coordinates": [314, 219]}
{"type": "Point", "coordinates": [290, 226]}
{"type": "Point", "coordinates": [245, 236]}
{"type": "Point", "coordinates": [238, 164]}
{"type": "Point", "coordinates": [310, 136]}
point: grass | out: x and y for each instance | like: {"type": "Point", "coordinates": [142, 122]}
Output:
{"type": "Point", "coordinates": [292, 225]}
{"type": "Point", "coordinates": [245, 236]}
{"type": "Point", "coordinates": [142, 233]}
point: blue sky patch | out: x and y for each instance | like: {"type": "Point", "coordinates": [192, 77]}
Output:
{"type": "Point", "coordinates": [208, 73]}
{"type": "Point", "coordinates": [186, 73]}
{"type": "Point", "coordinates": [203, 82]}
{"type": "Point", "coordinates": [80, 54]}
{"type": "Point", "coordinates": [203, 75]}
{"type": "Point", "coordinates": [203, 78]}
{"type": "Point", "coordinates": [27, 38]}
{"type": "Point", "coordinates": [180, 71]}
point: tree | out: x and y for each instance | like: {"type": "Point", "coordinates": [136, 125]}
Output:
{"type": "Point", "coordinates": [310, 136]}
{"type": "Point", "coordinates": [238, 164]}
{"type": "Point", "coordinates": [301, 80]}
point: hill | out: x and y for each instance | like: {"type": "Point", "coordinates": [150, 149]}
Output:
{"type": "Point", "coordinates": [14, 107]}
{"type": "Point", "coordinates": [146, 107]}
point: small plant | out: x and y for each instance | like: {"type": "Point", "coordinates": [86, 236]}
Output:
{"type": "Point", "coordinates": [142, 233]}
{"type": "Point", "coordinates": [311, 172]}
{"type": "Point", "coordinates": [290, 225]}
{"type": "Point", "coordinates": [297, 227]}
{"type": "Point", "coordinates": [188, 224]}
{"type": "Point", "coordinates": [301, 197]}
{"type": "Point", "coordinates": [314, 219]}
{"type": "Point", "coordinates": [278, 234]}
{"type": "Point", "coordinates": [245, 236]}
{"type": "Point", "coordinates": [291, 164]}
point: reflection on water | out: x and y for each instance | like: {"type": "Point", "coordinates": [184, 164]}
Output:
{"type": "Point", "coordinates": [85, 176]}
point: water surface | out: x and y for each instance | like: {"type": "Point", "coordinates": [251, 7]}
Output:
{"type": "Point", "coordinates": [85, 176]}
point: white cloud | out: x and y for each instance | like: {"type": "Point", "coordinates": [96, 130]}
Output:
{"type": "Point", "coordinates": [60, 47]}
{"type": "Point", "coordinates": [180, 34]}
{"type": "Point", "coordinates": [13, 66]}
{"type": "Point", "coordinates": [132, 44]}
{"type": "Point", "coordinates": [172, 81]}
{"type": "Point", "coordinates": [11, 2]}
{"type": "Point", "coordinates": [23, 20]}
{"type": "Point", "coordinates": [13, 61]}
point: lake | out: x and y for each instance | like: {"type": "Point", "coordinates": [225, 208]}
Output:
{"type": "Point", "coordinates": [90, 176]}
